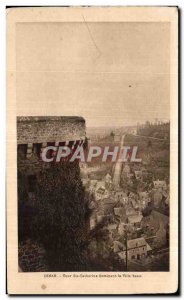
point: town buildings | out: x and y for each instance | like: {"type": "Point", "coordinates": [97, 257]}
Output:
{"type": "Point", "coordinates": [133, 231]}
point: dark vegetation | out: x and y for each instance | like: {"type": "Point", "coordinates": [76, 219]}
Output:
{"type": "Point", "coordinates": [58, 219]}
{"type": "Point", "coordinates": [153, 147]}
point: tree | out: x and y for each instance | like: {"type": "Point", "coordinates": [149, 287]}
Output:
{"type": "Point", "coordinates": [62, 223]}
{"type": "Point", "coordinates": [101, 252]}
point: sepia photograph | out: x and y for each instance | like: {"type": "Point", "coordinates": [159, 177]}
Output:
{"type": "Point", "coordinates": [101, 213]}
{"type": "Point", "coordinates": [95, 144]}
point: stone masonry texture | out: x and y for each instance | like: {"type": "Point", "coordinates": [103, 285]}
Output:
{"type": "Point", "coordinates": [49, 129]}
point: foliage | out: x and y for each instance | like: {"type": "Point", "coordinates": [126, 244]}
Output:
{"type": "Point", "coordinates": [64, 212]}
{"type": "Point", "coordinates": [59, 220]}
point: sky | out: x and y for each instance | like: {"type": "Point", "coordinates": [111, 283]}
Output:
{"type": "Point", "coordinates": [112, 74]}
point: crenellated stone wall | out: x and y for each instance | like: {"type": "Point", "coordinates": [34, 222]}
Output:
{"type": "Point", "coordinates": [36, 133]}
{"type": "Point", "coordinates": [50, 129]}
{"type": "Point", "coordinates": [33, 135]}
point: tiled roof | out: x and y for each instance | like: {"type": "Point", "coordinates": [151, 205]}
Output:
{"type": "Point", "coordinates": [136, 243]}
{"type": "Point", "coordinates": [135, 218]}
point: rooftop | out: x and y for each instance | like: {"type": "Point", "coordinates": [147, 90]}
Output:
{"type": "Point", "coordinates": [135, 218]}
{"type": "Point", "coordinates": [140, 242]}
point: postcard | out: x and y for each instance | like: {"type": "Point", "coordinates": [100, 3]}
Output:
{"type": "Point", "coordinates": [92, 150]}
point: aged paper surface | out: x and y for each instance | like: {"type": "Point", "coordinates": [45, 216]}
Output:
{"type": "Point", "coordinates": [92, 150]}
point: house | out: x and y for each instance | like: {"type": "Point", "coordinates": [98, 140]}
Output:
{"type": "Point", "coordinates": [130, 211]}
{"type": "Point", "coordinates": [135, 220]}
{"type": "Point", "coordinates": [106, 206]}
{"type": "Point", "coordinates": [119, 195]}
{"type": "Point", "coordinates": [100, 183]}
{"type": "Point", "coordinates": [98, 188]}
{"type": "Point", "coordinates": [143, 196]}
{"type": "Point", "coordinates": [136, 249]}
{"type": "Point", "coordinates": [101, 193]}
{"type": "Point", "coordinates": [160, 184]}
{"type": "Point", "coordinates": [120, 214]}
